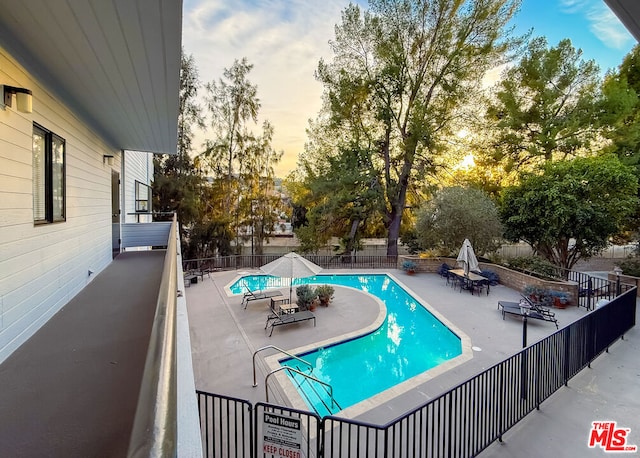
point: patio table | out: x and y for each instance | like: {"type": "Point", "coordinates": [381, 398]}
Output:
{"type": "Point", "coordinates": [470, 280]}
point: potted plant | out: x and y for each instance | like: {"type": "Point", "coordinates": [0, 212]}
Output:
{"type": "Point", "coordinates": [325, 294]}
{"type": "Point", "coordinates": [534, 292]}
{"type": "Point", "coordinates": [306, 297]}
{"type": "Point", "coordinates": [409, 266]}
{"type": "Point", "coordinates": [560, 299]}
{"type": "Point", "coordinates": [539, 295]}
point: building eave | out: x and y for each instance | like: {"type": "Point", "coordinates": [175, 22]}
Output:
{"type": "Point", "coordinates": [115, 63]}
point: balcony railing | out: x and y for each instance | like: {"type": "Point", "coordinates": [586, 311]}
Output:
{"type": "Point", "coordinates": [163, 426]}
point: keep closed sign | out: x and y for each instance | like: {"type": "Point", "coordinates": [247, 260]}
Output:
{"type": "Point", "coordinates": [281, 436]}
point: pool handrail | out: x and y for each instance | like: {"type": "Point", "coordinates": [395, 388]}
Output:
{"type": "Point", "coordinates": [273, 347]}
{"type": "Point", "coordinates": [293, 369]}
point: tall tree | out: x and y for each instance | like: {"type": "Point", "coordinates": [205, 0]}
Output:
{"type": "Point", "coordinates": [621, 109]}
{"type": "Point", "coordinates": [240, 160]}
{"type": "Point", "coordinates": [259, 203]}
{"type": "Point", "coordinates": [399, 75]}
{"type": "Point", "coordinates": [176, 182]}
{"type": "Point", "coordinates": [572, 209]}
{"type": "Point", "coordinates": [190, 114]}
{"type": "Point", "coordinates": [546, 106]}
{"type": "Point", "coordinates": [233, 104]}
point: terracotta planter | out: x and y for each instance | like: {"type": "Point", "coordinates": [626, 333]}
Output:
{"type": "Point", "coordinates": [557, 303]}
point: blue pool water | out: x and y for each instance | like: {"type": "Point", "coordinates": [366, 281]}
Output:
{"type": "Point", "coordinates": [410, 341]}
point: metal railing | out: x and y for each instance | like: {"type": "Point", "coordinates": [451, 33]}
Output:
{"type": "Point", "coordinates": [592, 289]}
{"type": "Point", "coordinates": [255, 261]}
{"type": "Point", "coordinates": [280, 350]}
{"type": "Point", "coordinates": [226, 426]}
{"type": "Point", "coordinates": [466, 419]}
{"type": "Point", "coordinates": [155, 424]}
{"type": "Point", "coordinates": [327, 386]}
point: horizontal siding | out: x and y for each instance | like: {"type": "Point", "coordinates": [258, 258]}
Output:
{"type": "Point", "coordinates": [43, 266]}
{"type": "Point", "coordinates": [145, 234]}
{"type": "Point", "coordinates": [137, 166]}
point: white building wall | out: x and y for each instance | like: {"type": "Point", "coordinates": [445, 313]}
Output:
{"type": "Point", "coordinates": [42, 267]}
{"type": "Point", "coordinates": [138, 166]}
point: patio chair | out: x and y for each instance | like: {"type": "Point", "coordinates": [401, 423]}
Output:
{"type": "Point", "coordinates": [258, 295]}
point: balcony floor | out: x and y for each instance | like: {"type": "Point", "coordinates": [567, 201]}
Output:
{"type": "Point", "coordinates": [72, 388]}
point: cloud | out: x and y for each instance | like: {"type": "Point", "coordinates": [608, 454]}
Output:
{"type": "Point", "coordinates": [283, 39]}
{"type": "Point", "coordinates": [608, 28]}
{"type": "Point", "coordinates": [603, 23]}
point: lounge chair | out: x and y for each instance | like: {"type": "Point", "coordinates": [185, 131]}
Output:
{"type": "Point", "coordinates": [258, 295]}
{"type": "Point", "coordinates": [528, 309]}
{"type": "Point", "coordinates": [277, 318]}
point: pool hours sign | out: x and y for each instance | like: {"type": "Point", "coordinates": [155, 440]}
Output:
{"type": "Point", "coordinates": [281, 436]}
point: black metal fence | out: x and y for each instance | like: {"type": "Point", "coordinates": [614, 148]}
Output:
{"type": "Point", "coordinates": [257, 260]}
{"type": "Point", "coordinates": [591, 289]}
{"type": "Point", "coordinates": [459, 423]}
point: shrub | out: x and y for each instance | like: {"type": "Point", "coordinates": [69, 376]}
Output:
{"type": "Point", "coordinates": [631, 267]}
{"type": "Point", "coordinates": [306, 295]}
{"type": "Point", "coordinates": [535, 264]}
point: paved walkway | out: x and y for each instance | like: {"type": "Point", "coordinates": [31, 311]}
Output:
{"type": "Point", "coordinates": [224, 337]}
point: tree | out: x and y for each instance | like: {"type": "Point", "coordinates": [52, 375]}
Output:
{"type": "Point", "coordinates": [399, 75]}
{"type": "Point", "coordinates": [344, 201]}
{"type": "Point", "coordinates": [190, 114]}
{"type": "Point", "coordinates": [621, 108]}
{"type": "Point", "coordinates": [455, 214]}
{"type": "Point", "coordinates": [258, 203]}
{"type": "Point", "coordinates": [240, 161]}
{"type": "Point", "coordinates": [546, 106]}
{"type": "Point", "coordinates": [570, 210]}
{"type": "Point", "coordinates": [233, 103]}
{"type": "Point", "coordinates": [176, 182]}
{"type": "Point", "coordinates": [620, 115]}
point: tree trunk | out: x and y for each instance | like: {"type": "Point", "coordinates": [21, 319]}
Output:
{"type": "Point", "coordinates": [394, 216]}
{"type": "Point", "coordinates": [348, 249]}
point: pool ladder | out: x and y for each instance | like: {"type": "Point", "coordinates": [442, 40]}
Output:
{"type": "Point", "coordinates": [328, 387]}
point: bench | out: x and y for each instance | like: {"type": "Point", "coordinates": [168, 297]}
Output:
{"type": "Point", "coordinates": [289, 318]}
{"type": "Point", "coordinates": [537, 313]}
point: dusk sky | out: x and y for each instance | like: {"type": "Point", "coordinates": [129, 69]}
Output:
{"type": "Point", "coordinates": [285, 39]}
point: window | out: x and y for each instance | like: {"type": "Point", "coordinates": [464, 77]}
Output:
{"type": "Point", "coordinates": [48, 176]}
{"type": "Point", "coordinates": [143, 197]}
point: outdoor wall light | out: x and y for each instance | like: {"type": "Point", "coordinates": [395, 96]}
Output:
{"type": "Point", "coordinates": [107, 159]}
{"type": "Point", "coordinates": [24, 99]}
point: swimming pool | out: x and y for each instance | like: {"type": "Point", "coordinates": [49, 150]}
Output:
{"type": "Point", "coordinates": [410, 341]}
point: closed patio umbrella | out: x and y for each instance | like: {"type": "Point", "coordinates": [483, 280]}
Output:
{"type": "Point", "coordinates": [291, 266]}
{"type": "Point", "coordinates": [467, 258]}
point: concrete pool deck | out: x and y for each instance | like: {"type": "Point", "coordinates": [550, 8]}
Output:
{"type": "Point", "coordinates": [225, 336]}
